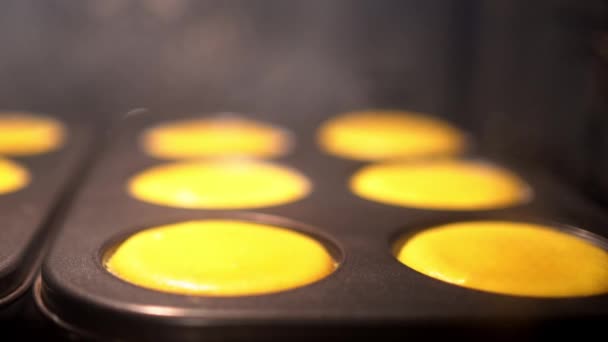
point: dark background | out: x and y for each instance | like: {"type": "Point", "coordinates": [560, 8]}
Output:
{"type": "Point", "coordinates": [526, 78]}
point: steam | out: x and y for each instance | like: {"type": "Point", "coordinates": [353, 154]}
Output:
{"type": "Point", "coordinates": [282, 57]}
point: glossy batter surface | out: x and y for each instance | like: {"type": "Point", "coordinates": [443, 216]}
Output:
{"type": "Point", "coordinates": [219, 184]}
{"type": "Point", "coordinates": [378, 135]}
{"type": "Point", "coordinates": [508, 258]}
{"type": "Point", "coordinates": [220, 258]}
{"type": "Point", "coordinates": [215, 137]}
{"type": "Point", "coordinates": [27, 134]}
{"type": "Point", "coordinates": [12, 176]}
{"type": "Point", "coordinates": [441, 185]}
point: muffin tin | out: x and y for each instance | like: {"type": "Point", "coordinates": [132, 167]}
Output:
{"type": "Point", "coordinates": [27, 213]}
{"type": "Point", "coordinates": [369, 293]}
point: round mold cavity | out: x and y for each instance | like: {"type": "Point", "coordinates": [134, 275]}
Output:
{"type": "Point", "coordinates": [222, 256]}
{"type": "Point", "coordinates": [13, 176]}
{"type": "Point", "coordinates": [25, 133]}
{"type": "Point", "coordinates": [516, 258]}
{"type": "Point", "coordinates": [374, 135]}
{"type": "Point", "coordinates": [217, 136]}
{"type": "Point", "coordinates": [441, 184]}
{"type": "Point", "coordinates": [219, 184]}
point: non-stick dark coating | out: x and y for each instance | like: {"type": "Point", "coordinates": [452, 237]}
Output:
{"type": "Point", "coordinates": [26, 213]}
{"type": "Point", "coordinates": [369, 288]}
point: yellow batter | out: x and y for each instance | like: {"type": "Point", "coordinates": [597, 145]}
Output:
{"type": "Point", "coordinates": [12, 176]}
{"type": "Point", "coordinates": [220, 258]}
{"type": "Point", "coordinates": [27, 134]}
{"type": "Point", "coordinates": [440, 184]}
{"type": "Point", "coordinates": [509, 258]}
{"type": "Point", "coordinates": [215, 137]}
{"type": "Point", "coordinates": [383, 134]}
{"type": "Point", "coordinates": [219, 184]}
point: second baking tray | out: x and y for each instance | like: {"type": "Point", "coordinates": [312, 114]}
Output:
{"type": "Point", "coordinates": [27, 213]}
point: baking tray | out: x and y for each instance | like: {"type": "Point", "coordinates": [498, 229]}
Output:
{"type": "Point", "coordinates": [371, 293]}
{"type": "Point", "coordinates": [28, 213]}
